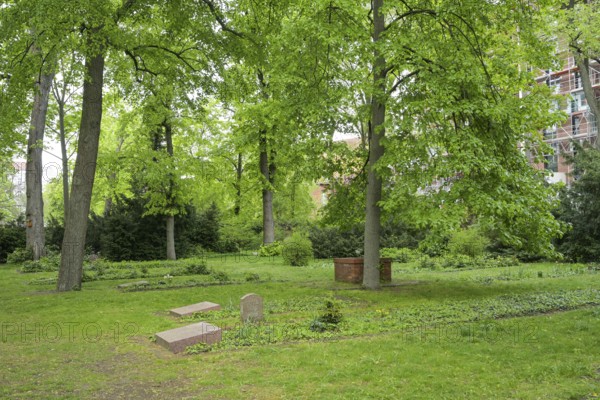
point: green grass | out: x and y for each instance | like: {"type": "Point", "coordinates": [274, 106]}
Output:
{"type": "Point", "coordinates": [525, 332]}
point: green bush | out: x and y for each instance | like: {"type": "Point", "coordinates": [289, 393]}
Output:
{"type": "Point", "coordinates": [427, 262]}
{"type": "Point", "coordinates": [461, 261]}
{"type": "Point", "coordinates": [252, 277]}
{"type": "Point", "coordinates": [270, 250]}
{"type": "Point", "coordinates": [297, 250]}
{"type": "Point", "coordinates": [328, 242]}
{"type": "Point", "coordinates": [49, 263]}
{"type": "Point", "coordinates": [197, 268]}
{"type": "Point", "coordinates": [403, 255]}
{"type": "Point", "coordinates": [12, 237]}
{"type": "Point", "coordinates": [19, 255]}
{"type": "Point", "coordinates": [470, 242]}
{"type": "Point", "coordinates": [329, 319]}
{"type": "Point", "coordinates": [220, 276]}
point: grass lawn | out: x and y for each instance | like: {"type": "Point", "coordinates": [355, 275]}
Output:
{"type": "Point", "coordinates": [525, 332]}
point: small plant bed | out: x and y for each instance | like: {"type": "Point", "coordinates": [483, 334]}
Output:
{"type": "Point", "coordinates": [339, 319]}
{"type": "Point", "coordinates": [190, 283]}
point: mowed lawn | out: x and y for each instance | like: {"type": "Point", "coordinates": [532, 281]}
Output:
{"type": "Point", "coordinates": [525, 332]}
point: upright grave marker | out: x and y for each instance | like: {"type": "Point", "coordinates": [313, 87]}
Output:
{"type": "Point", "coordinates": [251, 308]}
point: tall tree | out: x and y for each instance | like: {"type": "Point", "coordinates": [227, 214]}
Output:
{"type": "Point", "coordinates": [34, 213]}
{"type": "Point", "coordinates": [446, 115]}
{"type": "Point", "coordinates": [73, 247]}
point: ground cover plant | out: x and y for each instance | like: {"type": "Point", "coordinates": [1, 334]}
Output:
{"type": "Point", "coordinates": [466, 333]}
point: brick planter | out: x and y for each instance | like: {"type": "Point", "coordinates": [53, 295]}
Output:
{"type": "Point", "coordinates": [351, 269]}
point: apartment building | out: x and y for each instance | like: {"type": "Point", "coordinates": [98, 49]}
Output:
{"type": "Point", "coordinates": [580, 126]}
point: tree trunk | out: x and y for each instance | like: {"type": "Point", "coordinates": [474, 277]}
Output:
{"type": "Point", "coordinates": [64, 156]}
{"type": "Point", "coordinates": [73, 246]}
{"type": "Point", "coordinates": [171, 238]}
{"type": "Point", "coordinates": [170, 218]}
{"type": "Point", "coordinates": [374, 184]}
{"type": "Point", "coordinates": [238, 185]}
{"type": "Point", "coordinates": [583, 64]}
{"type": "Point", "coordinates": [34, 208]}
{"type": "Point", "coordinates": [267, 170]}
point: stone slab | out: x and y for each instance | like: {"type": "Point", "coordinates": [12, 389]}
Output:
{"type": "Point", "coordinates": [195, 308]}
{"type": "Point", "coordinates": [130, 284]}
{"type": "Point", "coordinates": [176, 340]}
{"type": "Point", "coordinates": [251, 308]}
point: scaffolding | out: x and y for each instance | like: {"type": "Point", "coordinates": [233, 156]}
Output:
{"type": "Point", "coordinates": [581, 126]}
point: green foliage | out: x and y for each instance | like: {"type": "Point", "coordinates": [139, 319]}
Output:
{"type": "Point", "coordinates": [331, 242]}
{"type": "Point", "coordinates": [580, 208]}
{"type": "Point", "coordinates": [338, 241]}
{"type": "Point", "coordinates": [251, 277]}
{"type": "Point", "coordinates": [271, 249]}
{"type": "Point", "coordinates": [220, 276]}
{"type": "Point", "coordinates": [19, 255]}
{"type": "Point", "coordinates": [197, 268]}
{"type": "Point", "coordinates": [297, 250]}
{"type": "Point", "coordinates": [49, 263]}
{"type": "Point", "coordinates": [126, 234]}
{"type": "Point", "coordinates": [329, 319]}
{"type": "Point", "coordinates": [463, 261]}
{"type": "Point", "coordinates": [403, 255]}
{"type": "Point", "coordinates": [203, 227]}
{"type": "Point", "coordinates": [470, 242]}
{"type": "Point", "coordinates": [12, 237]}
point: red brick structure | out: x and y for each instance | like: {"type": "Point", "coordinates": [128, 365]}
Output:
{"type": "Point", "coordinates": [351, 269]}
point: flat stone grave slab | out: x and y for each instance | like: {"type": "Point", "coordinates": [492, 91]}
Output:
{"type": "Point", "coordinates": [130, 284]}
{"type": "Point", "coordinates": [176, 340]}
{"type": "Point", "coordinates": [251, 308]}
{"type": "Point", "coordinates": [195, 308]}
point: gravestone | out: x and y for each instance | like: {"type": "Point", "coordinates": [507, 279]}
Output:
{"type": "Point", "coordinates": [195, 308]}
{"type": "Point", "coordinates": [251, 308]}
{"type": "Point", "coordinates": [176, 340]}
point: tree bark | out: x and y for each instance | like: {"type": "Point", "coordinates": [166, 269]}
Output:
{"type": "Point", "coordinates": [170, 218]}
{"type": "Point", "coordinates": [583, 64]}
{"type": "Point", "coordinates": [73, 246]}
{"type": "Point", "coordinates": [267, 170]}
{"type": "Point", "coordinates": [64, 156]}
{"type": "Point", "coordinates": [171, 238]}
{"type": "Point", "coordinates": [34, 209]}
{"type": "Point", "coordinates": [377, 132]}
{"type": "Point", "coordinates": [238, 185]}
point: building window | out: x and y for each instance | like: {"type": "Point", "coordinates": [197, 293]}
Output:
{"type": "Point", "coordinates": [575, 125]}
{"type": "Point", "coordinates": [551, 160]}
{"type": "Point", "coordinates": [578, 102]}
{"type": "Point", "coordinates": [576, 80]}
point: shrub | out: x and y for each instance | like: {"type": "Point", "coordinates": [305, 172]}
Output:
{"type": "Point", "coordinates": [251, 277]}
{"type": "Point", "coordinates": [329, 319]}
{"type": "Point", "coordinates": [19, 255]}
{"type": "Point", "coordinates": [403, 255]}
{"type": "Point", "coordinates": [461, 261]}
{"type": "Point", "coordinates": [197, 268]}
{"type": "Point", "coordinates": [470, 242]}
{"type": "Point", "coordinates": [270, 250]}
{"type": "Point", "coordinates": [508, 261]}
{"type": "Point", "coordinates": [12, 237]}
{"type": "Point", "coordinates": [328, 242]}
{"type": "Point", "coordinates": [49, 263]}
{"type": "Point", "coordinates": [297, 250]}
{"type": "Point", "coordinates": [220, 276]}
{"type": "Point", "coordinates": [427, 262]}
